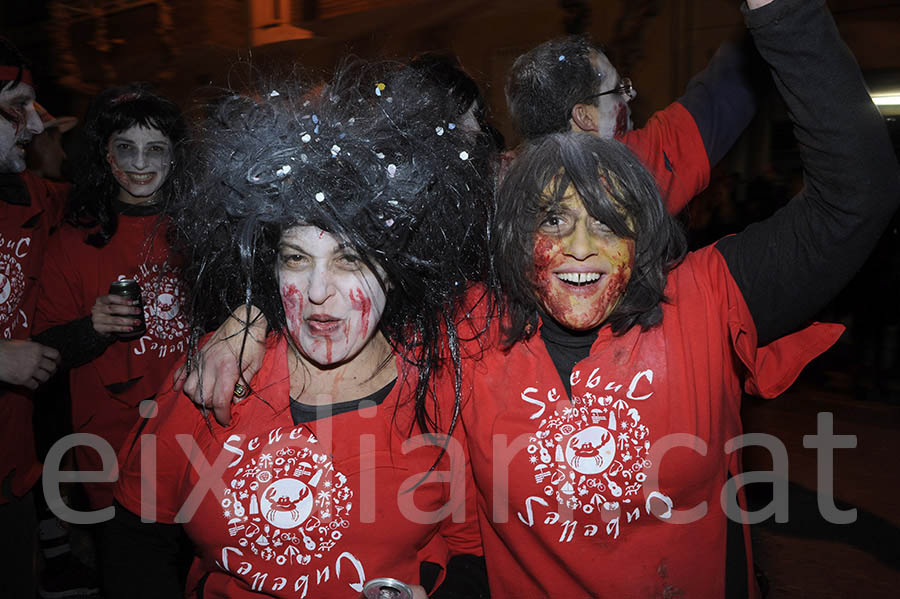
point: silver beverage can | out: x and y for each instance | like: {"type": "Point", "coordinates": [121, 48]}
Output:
{"type": "Point", "coordinates": [387, 588]}
{"type": "Point", "coordinates": [129, 289]}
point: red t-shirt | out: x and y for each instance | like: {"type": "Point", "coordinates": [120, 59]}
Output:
{"type": "Point", "coordinates": [24, 229]}
{"type": "Point", "coordinates": [106, 392]}
{"type": "Point", "coordinates": [671, 147]}
{"type": "Point", "coordinates": [313, 509]}
{"type": "Point", "coordinates": [583, 498]}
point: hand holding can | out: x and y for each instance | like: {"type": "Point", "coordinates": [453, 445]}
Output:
{"type": "Point", "coordinates": [121, 312]}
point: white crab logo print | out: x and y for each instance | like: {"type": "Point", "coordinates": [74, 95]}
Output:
{"type": "Point", "coordinates": [286, 503]}
{"type": "Point", "coordinates": [591, 450]}
{"type": "Point", "coordinates": [162, 292]}
{"type": "Point", "coordinates": [591, 456]}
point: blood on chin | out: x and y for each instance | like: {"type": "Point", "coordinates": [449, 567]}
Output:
{"type": "Point", "coordinates": [622, 121]}
{"type": "Point", "coordinates": [579, 313]}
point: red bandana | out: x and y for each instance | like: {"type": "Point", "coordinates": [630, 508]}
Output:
{"type": "Point", "coordinates": [9, 73]}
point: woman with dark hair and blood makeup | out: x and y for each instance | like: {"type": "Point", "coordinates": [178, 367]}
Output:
{"type": "Point", "coordinates": [620, 359]}
{"type": "Point", "coordinates": [335, 211]}
{"type": "Point", "coordinates": [119, 350]}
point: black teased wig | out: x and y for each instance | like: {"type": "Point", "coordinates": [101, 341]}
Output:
{"type": "Point", "coordinates": [609, 179]}
{"type": "Point", "coordinates": [368, 157]}
{"type": "Point", "coordinates": [92, 201]}
{"type": "Point", "coordinates": [460, 90]}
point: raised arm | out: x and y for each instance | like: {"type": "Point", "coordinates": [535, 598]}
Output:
{"type": "Point", "coordinates": [680, 143]}
{"type": "Point", "coordinates": [790, 265]}
{"type": "Point", "coordinates": [722, 98]}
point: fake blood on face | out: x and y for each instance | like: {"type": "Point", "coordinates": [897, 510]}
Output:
{"type": "Point", "coordinates": [544, 251]}
{"type": "Point", "coordinates": [15, 116]}
{"type": "Point", "coordinates": [363, 305]}
{"type": "Point", "coordinates": [292, 300]}
{"type": "Point", "coordinates": [622, 120]}
{"type": "Point", "coordinates": [581, 275]}
{"type": "Point", "coordinates": [335, 299]}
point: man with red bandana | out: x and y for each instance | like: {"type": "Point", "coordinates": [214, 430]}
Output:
{"type": "Point", "coordinates": [568, 84]}
{"type": "Point", "coordinates": [29, 208]}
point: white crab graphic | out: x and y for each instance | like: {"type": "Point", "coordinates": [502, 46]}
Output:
{"type": "Point", "coordinates": [591, 450]}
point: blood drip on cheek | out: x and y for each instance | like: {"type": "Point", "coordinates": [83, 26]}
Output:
{"type": "Point", "coordinates": [615, 288]}
{"type": "Point", "coordinates": [621, 120]}
{"type": "Point", "coordinates": [329, 346]}
{"type": "Point", "coordinates": [15, 116]}
{"type": "Point", "coordinates": [363, 305]}
{"type": "Point", "coordinates": [619, 278]}
{"type": "Point", "coordinates": [292, 300]}
{"type": "Point", "coordinates": [545, 250]}
{"type": "Point", "coordinates": [117, 171]}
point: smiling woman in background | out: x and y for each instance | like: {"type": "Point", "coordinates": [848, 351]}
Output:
{"type": "Point", "coordinates": [119, 349]}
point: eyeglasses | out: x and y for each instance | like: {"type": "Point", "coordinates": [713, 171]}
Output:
{"type": "Point", "coordinates": [625, 88]}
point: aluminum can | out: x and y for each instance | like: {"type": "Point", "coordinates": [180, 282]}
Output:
{"type": "Point", "coordinates": [129, 289]}
{"type": "Point", "coordinates": [386, 588]}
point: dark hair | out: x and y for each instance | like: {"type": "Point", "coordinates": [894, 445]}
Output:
{"type": "Point", "coordinates": [460, 90]}
{"type": "Point", "coordinates": [609, 179]}
{"type": "Point", "coordinates": [95, 188]}
{"type": "Point", "coordinates": [545, 83]}
{"type": "Point", "coordinates": [11, 57]}
{"type": "Point", "coordinates": [457, 90]}
{"type": "Point", "coordinates": [367, 157]}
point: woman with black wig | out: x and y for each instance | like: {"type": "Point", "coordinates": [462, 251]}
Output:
{"type": "Point", "coordinates": [134, 143]}
{"type": "Point", "coordinates": [335, 211]}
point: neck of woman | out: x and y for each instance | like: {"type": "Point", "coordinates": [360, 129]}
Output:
{"type": "Point", "coordinates": [367, 372]}
{"type": "Point", "coordinates": [126, 198]}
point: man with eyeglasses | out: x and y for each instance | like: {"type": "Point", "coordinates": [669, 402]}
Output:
{"type": "Point", "coordinates": [569, 84]}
